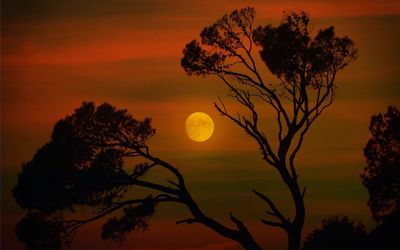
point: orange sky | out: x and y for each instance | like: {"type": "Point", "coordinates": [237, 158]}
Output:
{"type": "Point", "coordinates": [54, 55]}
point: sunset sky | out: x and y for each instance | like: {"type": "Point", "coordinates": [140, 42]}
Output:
{"type": "Point", "coordinates": [57, 54]}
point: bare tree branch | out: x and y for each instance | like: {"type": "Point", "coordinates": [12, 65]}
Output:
{"type": "Point", "coordinates": [275, 211]}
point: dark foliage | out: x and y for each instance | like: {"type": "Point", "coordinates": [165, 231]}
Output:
{"type": "Point", "coordinates": [134, 218]}
{"type": "Point", "coordinates": [385, 236]}
{"type": "Point", "coordinates": [336, 233]}
{"type": "Point", "coordinates": [82, 165]}
{"type": "Point", "coordinates": [382, 174]}
{"type": "Point", "coordinates": [289, 51]}
{"type": "Point", "coordinates": [39, 233]}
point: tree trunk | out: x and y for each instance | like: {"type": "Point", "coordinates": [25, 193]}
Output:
{"type": "Point", "coordinates": [294, 238]}
{"type": "Point", "coordinates": [296, 227]}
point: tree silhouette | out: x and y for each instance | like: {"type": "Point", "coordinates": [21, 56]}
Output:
{"type": "Point", "coordinates": [336, 233]}
{"type": "Point", "coordinates": [305, 68]}
{"type": "Point", "coordinates": [84, 165]}
{"type": "Point", "coordinates": [382, 174]}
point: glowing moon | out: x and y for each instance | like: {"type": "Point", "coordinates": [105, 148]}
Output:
{"type": "Point", "coordinates": [199, 126]}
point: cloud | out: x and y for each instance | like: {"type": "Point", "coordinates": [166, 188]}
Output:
{"type": "Point", "coordinates": [332, 8]}
{"type": "Point", "coordinates": [71, 43]}
{"type": "Point", "coordinates": [51, 10]}
{"type": "Point", "coordinates": [47, 9]}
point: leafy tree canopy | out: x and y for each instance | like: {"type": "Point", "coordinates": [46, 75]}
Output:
{"type": "Point", "coordinates": [83, 165]}
{"type": "Point", "coordinates": [382, 174]}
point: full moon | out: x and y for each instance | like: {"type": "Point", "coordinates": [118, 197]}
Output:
{"type": "Point", "coordinates": [199, 126]}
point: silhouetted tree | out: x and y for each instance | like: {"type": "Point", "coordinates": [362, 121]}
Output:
{"type": "Point", "coordinates": [382, 174]}
{"type": "Point", "coordinates": [84, 165]}
{"type": "Point", "coordinates": [381, 177]}
{"type": "Point", "coordinates": [336, 233]}
{"type": "Point", "coordinates": [305, 68]}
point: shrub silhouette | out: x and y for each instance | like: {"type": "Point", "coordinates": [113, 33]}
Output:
{"type": "Point", "coordinates": [336, 233]}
